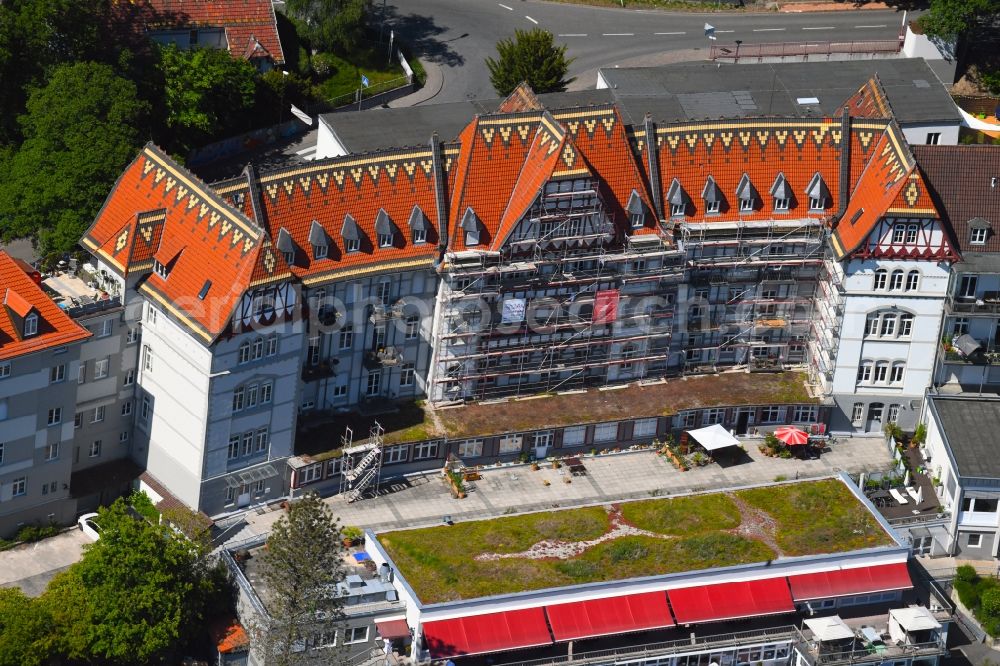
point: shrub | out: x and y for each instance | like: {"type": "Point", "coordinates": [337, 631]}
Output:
{"type": "Point", "coordinates": [966, 573]}
{"type": "Point", "coordinates": [351, 533]}
{"type": "Point", "coordinates": [990, 603]}
{"type": "Point", "coordinates": [967, 593]}
{"type": "Point", "coordinates": [30, 533]}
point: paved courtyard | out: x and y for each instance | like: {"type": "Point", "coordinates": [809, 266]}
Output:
{"type": "Point", "coordinates": [31, 566]}
{"type": "Point", "coordinates": [424, 499]}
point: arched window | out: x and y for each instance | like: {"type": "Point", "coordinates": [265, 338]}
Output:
{"type": "Point", "coordinates": [880, 278]}
{"type": "Point", "coordinates": [865, 372]}
{"type": "Point", "coordinates": [244, 351]}
{"type": "Point", "coordinates": [888, 323]}
{"type": "Point", "coordinates": [896, 281]}
{"type": "Point", "coordinates": [258, 348]}
{"type": "Point", "coordinates": [30, 325]}
{"type": "Point", "coordinates": [881, 372]}
{"type": "Point", "coordinates": [912, 280]}
{"type": "Point", "coordinates": [896, 375]}
{"type": "Point", "coordinates": [905, 325]}
{"type": "Point", "coordinates": [911, 233]}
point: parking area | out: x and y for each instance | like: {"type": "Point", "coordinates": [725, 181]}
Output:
{"type": "Point", "coordinates": [31, 566]}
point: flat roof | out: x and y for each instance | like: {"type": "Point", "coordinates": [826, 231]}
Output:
{"type": "Point", "coordinates": [696, 91]}
{"type": "Point", "coordinates": [412, 422]}
{"type": "Point", "coordinates": [970, 424]}
{"type": "Point", "coordinates": [636, 539]}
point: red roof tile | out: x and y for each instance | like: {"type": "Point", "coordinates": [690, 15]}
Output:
{"type": "Point", "coordinates": [18, 298]}
{"type": "Point", "coordinates": [179, 219]}
{"type": "Point", "coordinates": [246, 22]}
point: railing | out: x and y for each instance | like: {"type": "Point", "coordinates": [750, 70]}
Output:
{"type": "Point", "coordinates": [720, 641]}
{"type": "Point", "coordinates": [802, 49]}
{"type": "Point", "coordinates": [986, 303]}
{"type": "Point", "coordinates": [985, 356]}
{"type": "Point", "coordinates": [350, 98]}
{"type": "Point", "coordinates": [869, 656]}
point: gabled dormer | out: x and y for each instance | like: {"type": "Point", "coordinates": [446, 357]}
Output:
{"type": "Point", "coordinates": [285, 245]}
{"type": "Point", "coordinates": [418, 224]}
{"type": "Point", "coordinates": [746, 194]}
{"type": "Point", "coordinates": [318, 240]}
{"type": "Point", "coordinates": [781, 194]}
{"type": "Point", "coordinates": [677, 199]}
{"type": "Point", "coordinates": [23, 314]}
{"type": "Point", "coordinates": [712, 196]}
{"type": "Point", "coordinates": [636, 211]}
{"type": "Point", "coordinates": [385, 230]}
{"type": "Point", "coordinates": [471, 226]}
{"type": "Point", "coordinates": [351, 234]}
{"type": "Point", "coordinates": [818, 193]}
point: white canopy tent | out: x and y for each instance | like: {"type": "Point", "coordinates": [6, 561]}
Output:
{"type": "Point", "coordinates": [714, 437]}
{"type": "Point", "coordinates": [829, 628]}
{"type": "Point", "coordinates": [915, 618]}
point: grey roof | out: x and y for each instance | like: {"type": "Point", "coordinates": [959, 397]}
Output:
{"type": "Point", "coordinates": [693, 91]}
{"type": "Point", "coordinates": [317, 235]}
{"type": "Point", "coordinates": [383, 223]}
{"type": "Point", "coordinates": [284, 241]}
{"type": "Point", "coordinates": [418, 221]}
{"type": "Point", "coordinates": [634, 205]}
{"type": "Point", "coordinates": [469, 221]}
{"type": "Point", "coordinates": [745, 189]}
{"type": "Point", "coordinates": [817, 188]}
{"type": "Point", "coordinates": [780, 188]}
{"type": "Point", "coordinates": [381, 129]}
{"type": "Point", "coordinates": [349, 230]}
{"type": "Point", "coordinates": [676, 195]}
{"type": "Point", "coordinates": [970, 425]}
{"type": "Point", "coordinates": [711, 191]}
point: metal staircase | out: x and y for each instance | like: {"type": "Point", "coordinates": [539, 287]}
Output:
{"type": "Point", "coordinates": [358, 476]}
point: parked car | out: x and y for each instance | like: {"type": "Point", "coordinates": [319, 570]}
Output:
{"type": "Point", "coordinates": [89, 526]}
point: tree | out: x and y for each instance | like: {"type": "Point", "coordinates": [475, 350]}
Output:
{"type": "Point", "coordinates": [80, 129]}
{"type": "Point", "coordinates": [206, 93]}
{"type": "Point", "coordinates": [331, 25]}
{"type": "Point", "coordinates": [948, 19]}
{"type": "Point", "coordinates": [135, 596]}
{"type": "Point", "coordinates": [301, 566]}
{"type": "Point", "coordinates": [24, 630]}
{"type": "Point", "coordinates": [531, 56]}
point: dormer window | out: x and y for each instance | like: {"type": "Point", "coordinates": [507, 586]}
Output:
{"type": "Point", "coordinates": [472, 237]}
{"type": "Point", "coordinates": [352, 244]}
{"type": "Point", "coordinates": [636, 211]}
{"type": "Point", "coordinates": [712, 197]}
{"type": "Point", "coordinates": [711, 206]}
{"type": "Point", "coordinates": [817, 204]}
{"type": "Point", "coordinates": [781, 204]}
{"type": "Point", "coordinates": [286, 246]}
{"type": "Point", "coordinates": [817, 192]}
{"type": "Point", "coordinates": [384, 229]}
{"type": "Point", "coordinates": [677, 210]}
{"type": "Point", "coordinates": [746, 205]}
{"type": "Point", "coordinates": [419, 235]}
{"type": "Point", "coordinates": [385, 240]}
{"type": "Point", "coordinates": [418, 225]}
{"type": "Point", "coordinates": [747, 195]}
{"type": "Point", "coordinates": [320, 251]}
{"type": "Point", "coordinates": [470, 224]}
{"type": "Point", "coordinates": [638, 220]}
{"type": "Point", "coordinates": [781, 194]}
{"type": "Point", "coordinates": [978, 236]}
{"type": "Point", "coordinates": [160, 269]}
{"type": "Point", "coordinates": [289, 257]}
{"type": "Point", "coordinates": [677, 199]}
{"type": "Point", "coordinates": [30, 325]}
{"type": "Point", "coordinates": [351, 235]}
{"type": "Point", "coordinates": [318, 240]}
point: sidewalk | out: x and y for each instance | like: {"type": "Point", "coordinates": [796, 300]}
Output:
{"type": "Point", "coordinates": [432, 86]}
{"type": "Point", "coordinates": [423, 500]}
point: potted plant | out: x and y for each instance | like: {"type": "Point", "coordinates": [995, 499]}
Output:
{"type": "Point", "coordinates": [556, 464]}
{"type": "Point", "coordinates": [352, 535]}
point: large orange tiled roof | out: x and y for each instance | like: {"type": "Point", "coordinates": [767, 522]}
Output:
{"type": "Point", "coordinates": [159, 211]}
{"type": "Point", "coordinates": [247, 22]}
{"type": "Point", "coordinates": [19, 297]}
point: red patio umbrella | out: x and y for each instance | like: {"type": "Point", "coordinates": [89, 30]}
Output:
{"type": "Point", "coordinates": [792, 436]}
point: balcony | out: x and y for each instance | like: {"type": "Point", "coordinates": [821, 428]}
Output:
{"type": "Point", "coordinates": [383, 357]}
{"type": "Point", "coordinates": [966, 350]}
{"type": "Point", "coordinates": [322, 370]}
{"type": "Point", "coordinates": [381, 313]}
{"type": "Point", "coordinates": [986, 303]}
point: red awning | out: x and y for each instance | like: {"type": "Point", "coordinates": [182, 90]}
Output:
{"type": "Point", "coordinates": [845, 582]}
{"type": "Point", "coordinates": [615, 615]}
{"type": "Point", "coordinates": [493, 632]}
{"type": "Point", "coordinates": [727, 601]}
{"type": "Point", "coordinates": [391, 629]}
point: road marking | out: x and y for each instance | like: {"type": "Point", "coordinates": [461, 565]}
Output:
{"type": "Point", "coordinates": [618, 34]}
{"type": "Point", "coordinates": [766, 29]}
{"type": "Point", "coordinates": [510, 9]}
{"type": "Point", "coordinates": [826, 27]}
{"type": "Point", "coordinates": [669, 33]}
{"type": "Point", "coordinates": [573, 34]}
{"type": "Point", "coordinates": [718, 31]}
{"type": "Point", "coordinates": [532, 20]}
{"type": "Point", "coordinates": [870, 26]}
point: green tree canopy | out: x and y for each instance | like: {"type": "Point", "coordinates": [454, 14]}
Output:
{"type": "Point", "coordinates": [206, 93]}
{"type": "Point", "coordinates": [301, 565]}
{"type": "Point", "coordinates": [80, 130]}
{"type": "Point", "coordinates": [331, 25]}
{"type": "Point", "coordinates": [135, 597]}
{"type": "Point", "coordinates": [953, 18]}
{"type": "Point", "coordinates": [25, 630]}
{"type": "Point", "coordinates": [530, 56]}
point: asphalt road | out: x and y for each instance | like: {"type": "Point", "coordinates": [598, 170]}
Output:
{"type": "Point", "coordinates": [459, 34]}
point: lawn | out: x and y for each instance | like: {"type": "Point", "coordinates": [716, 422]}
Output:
{"type": "Point", "coordinates": [817, 517]}
{"type": "Point", "coordinates": [440, 563]}
{"type": "Point", "coordinates": [343, 77]}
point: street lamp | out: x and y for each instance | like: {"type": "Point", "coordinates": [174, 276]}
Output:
{"type": "Point", "coordinates": [738, 42]}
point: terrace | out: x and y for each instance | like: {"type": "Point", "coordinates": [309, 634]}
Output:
{"type": "Point", "coordinates": [513, 554]}
{"type": "Point", "coordinates": [413, 422]}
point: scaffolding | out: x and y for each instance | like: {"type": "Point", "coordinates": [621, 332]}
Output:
{"type": "Point", "coordinates": [361, 467]}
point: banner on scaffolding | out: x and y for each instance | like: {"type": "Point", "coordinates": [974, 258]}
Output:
{"type": "Point", "coordinates": [605, 306]}
{"type": "Point", "coordinates": [513, 311]}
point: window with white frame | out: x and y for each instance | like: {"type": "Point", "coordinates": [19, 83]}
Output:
{"type": "Point", "coordinates": [712, 416]}
{"type": "Point", "coordinates": [817, 203]}
{"type": "Point", "coordinates": [967, 286]}
{"type": "Point", "coordinates": [881, 275]}
{"type": "Point", "coordinates": [78, 420]}
{"type": "Point", "coordinates": [470, 448]}
{"type": "Point", "coordinates": [355, 635]}
{"type": "Point", "coordinates": [258, 348]}
{"type": "Point", "coordinates": [905, 325]}
{"type": "Point", "coordinates": [888, 327]}
{"type": "Point", "coordinates": [266, 392]}
{"type": "Point", "coordinates": [239, 398]}
{"type": "Point", "coordinates": [574, 435]}
{"type": "Point", "coordinates": [147, 358]}
{"type": "Point", "coordinates": [893, 414]}
{"type": "Point", "coordinates": [352, 244]}
{"type": "Point", "coordinates": [4, 370]}
{"type": "Point", "coordinates": [912, 231]}
{"type": "Point", "coordinates": [677, 210]}
{"type": "Point", "coordinates": [896, 373]}
{"type": "Point", "coordinates": [396, 454]}
{"type": "Point", "coordinates": [123, 436]}
{"type": "Point", "coordinates": [312, 353]}
{"type": "Point", "coordinates": [320, 251]}
{"type": "Point", "coordinates": [770, 414]}
{"type": "Point", "coordinates": [865, 372]}
{"type": "Point", "coordinates": [346, 337]}
{"type": "Point", "coordinates": [978, 236]}
{"type": "Point", "coordinates": [373, 383]}
{"type": "Point", "coordinates": [933, 138]}
{"type": "Point", "coordinates": [689, 419]}
{"type": "Point", "coordinates": [311, 473]}
{"type": "Point", "coordinates": [81, 373]}
{"type": "Point", "coordinates": [57, 373]}
{"type": "Point", "coordinates": [804, 414]}
{"type": "Point", "coordinates": [132, 336]}
{"type": "Point", "coordinates": [30, 325]}
{"type": "Point", "coordinates": [54, 416]}
{"type": "Point", "coordinates": [19, 486]}
{"type": "Point", "coordinates": [272, 344]}
{"type": "Point", "coordinates": [97, 414]}
{"type": "Point", "coordinates": [52, 451]}
{"type": "Point", "coordinates": [881, 372]}
{"type": "Point", "coordinates": [781, 204]}
{"type": "Point", "coordinates": [712, 207]}
{"type": "Point", "coordinates": [244, 352]}
{"type": "Point", "coordinates": [419, 236]}
{"type": "Point", "coordinates": [898, 233]}
{"type": "Point", "coordinates": [975, 541]}
{"type": "Point", "coordinates": [129, 377]}
{"type": "Point", "coordinates": [261, 439]}
{"type": "Point", "coordinates": [1, 452]}
{"type": "Point", "coordinates": [858, 413]}
{"type": "Point", "coordinates": [406, 375]}
{"type": "Point", "coordinates": [151, 314]}
{"type": "Point", "coordinates": [412, 327]}
{"type": "Point", "coordinates": [101, 366]}
{"type": "Point", "coordinates": [543, 439]}
{"type": "Point", "coordinates": [127, 408]}
{"type": "Point", "coordinates": [606, 432]}
{"type": "Point", "coordinates": [107, 328]}
{"type": "Point", "coordinates": [146, 412]}
{"type": "Point", "coordinates": [385, 240]}
{"type": "Point", "coordinates": [746, 205]}
{"type": "Point", "coordinates": [425, 450]}
{"type": "Point", "coordinates": [959, 326]}
{"type": "Point", "coordinates": [511, 443]}
{"type": "Point", "coordinates": [896, 281]}
{"type": "Point", "coordinates": [95, 449]}
{"type": "Point", "coordinates": [912, 280]}
{"type": "Point", "coordinates": [644, 428]}
{"type": "Point", "coordinates": [340, 391]}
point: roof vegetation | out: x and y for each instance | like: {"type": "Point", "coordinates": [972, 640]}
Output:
{"type": "Point", "coordinates": [649, 537]}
